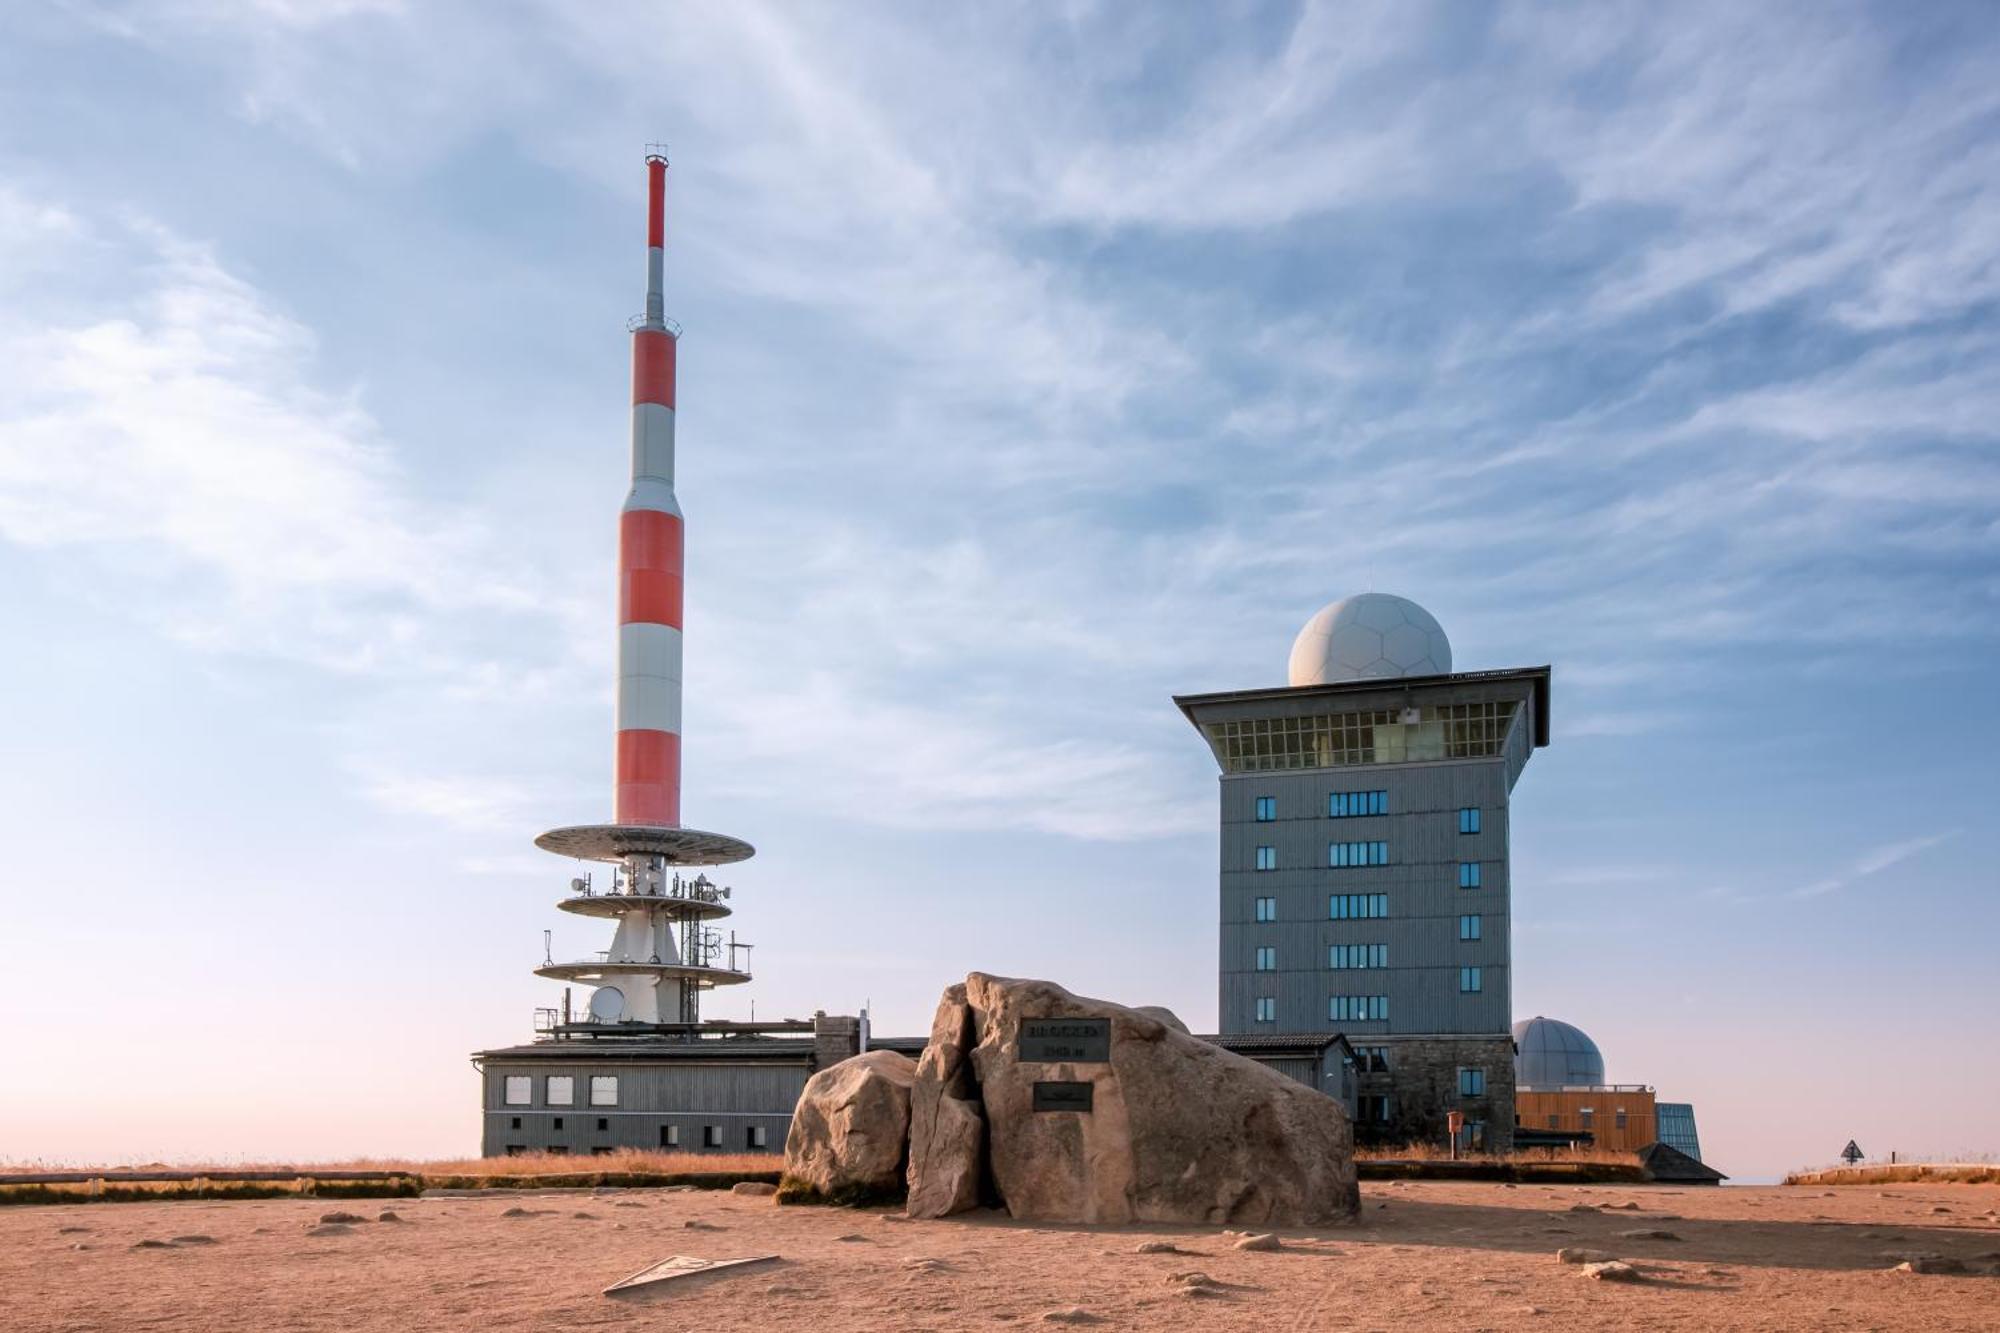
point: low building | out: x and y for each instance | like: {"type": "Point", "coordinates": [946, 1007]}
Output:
{"type": "Point", "coordinates": [1561, 1097]}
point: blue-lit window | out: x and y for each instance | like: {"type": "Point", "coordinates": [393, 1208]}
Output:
{"type": "Point", "coordinates": [1468, 927]}
{"type": "Point", "coordinates": [1267, 909]}
{"type": "Point", "coordinates": [1357, 1008]}
{"type": "Point", "coordinates": [1471, 1082]}
{"type": "Point", "coordinates": [1357, 955]}
{"type": "Point", "coordinates": [1468, 819]}
{"type": "Point", "coordinates": [1267, 958]}
{"type": "Point", "coordinates": [1357, 906]}
{"type": "Point", "coordinates": [1469, 980]}
{"type": "Point", "coordinates": [1267, 1009]}
{"type": "Point", "coordinates": [1267, 858]}
{"type": "Point", "coordinates": [1348, 804]}
{"type": "Point", "coordinates": [1468, 874]}
{"type": "Point", "coordinates": [1344, 855]}
{"type": "Point", "coordinates": [1267, 809]}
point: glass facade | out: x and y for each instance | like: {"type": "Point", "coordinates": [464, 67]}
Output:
{"type": "Point", "coordinates": [1378, 736]}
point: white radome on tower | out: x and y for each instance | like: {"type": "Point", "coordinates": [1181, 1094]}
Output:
{"type": "Point", "coordinates": [1370, 636]}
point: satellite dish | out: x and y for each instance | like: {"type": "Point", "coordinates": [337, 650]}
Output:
{"type": "Point", "coordinates": [607, 1004]}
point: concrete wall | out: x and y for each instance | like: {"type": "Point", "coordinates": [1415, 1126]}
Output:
{"type": "Point", "coordinates": [1421, 881]}
{"type": "Point", "coordinates": [687, 1094]}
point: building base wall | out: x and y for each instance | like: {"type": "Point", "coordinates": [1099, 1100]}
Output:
{"type": "Point", "coordinates": [1421, 1086]}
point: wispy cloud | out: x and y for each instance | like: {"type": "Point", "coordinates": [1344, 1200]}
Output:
{"type": "Point", "coordinates": [1873, 863]}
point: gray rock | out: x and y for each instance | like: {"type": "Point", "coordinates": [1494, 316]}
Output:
{"type": "Point", "coordinates": [328, 1219]}
{"type": "Point", "coordinates": [1931, 1264]}
{"type": "Point", "coordinates": [1075, 1314]}
{"type": "Point", "coordinates": [758, 1189]}
{"type": "Point", "coordinates": [850, 1131]}
{"type": "Point", "coordinates": [1646, 1234]}
{"type": "Point", "coordinates": [1260, 1243]}
{"type": "Point", "coordinates": [1180, 1130]}
{"type": "Point", "coordinates": [947, 1123]}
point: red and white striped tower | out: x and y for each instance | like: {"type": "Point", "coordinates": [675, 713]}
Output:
{"type": "Point", "coordinates": [664, 955]}
{"type": "Point", "coordinates": [650, 545]}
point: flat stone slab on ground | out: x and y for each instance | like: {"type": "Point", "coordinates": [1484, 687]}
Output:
{"type": "Point", "coordinates": [678, 1266]}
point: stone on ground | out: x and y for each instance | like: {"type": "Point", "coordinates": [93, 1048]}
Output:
{"type": "Point", "coordinates": [329, 1218]}
{"type": "Point", "coordinates": [947, 1126]}
{"type": "Point", "coordinates": [759, 1189]}
{"type": "Point", "coordinates": [1180, 1130]}
{"type": "Point", "coordinates": [1576, 1254]}
{"type": "Point", "coordinates": [1612, 1271]}
{"type": "Point", "coordinates": [1259, 1243]}
{"type": "Point", "coordinates": [850, 1131]}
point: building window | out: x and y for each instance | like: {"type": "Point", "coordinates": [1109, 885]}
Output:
{"type": "Point", "coordinates": [1267, 909]}
{"type": "Point", "coordinates": [1267, 858]}
{"type": "Point", "coordinates": [1267, 809]}
{"type": "Point", "coordinates": [1471, 1082]}
{"type": "Point", "coordinates": [603, 1124]}
{"type": "Point", "coordinates": [1377, 736]}
{"type": "Point", "coordinates": [1618, 1119]}
{"type": "Point", "coordinates": [1357, 955]}
{"type": "Point", "coordinates": [520, 1090]}
{"type": "Point", "coordinates": [1372, 1059]}
{"type": "Point", "coordinates": [1468, 979]}
{"type": "Point", "coordinates": [1468, 927]}
{"type": "Point", "coordinates": [1357, 906]}
{"type": "Point", "coordinates": [1342, 855]}
{"type": "Point", "coordinates": [1555, 1122]}
{"type": "Point", "coordinates": [1267, 1009]}
{"type": "Point", "coordinates": [1468, 874]}
{"type": "Point", "coordinates": [1375, 1108]}
{"type": "Point", "coordinates": [711, 1136]}
{"type": "Point", "coordinates": [1357, 1008]}
{"type": "Point", "coordinates": [1468, 819]}
{"type": "Point", "coordinates": [754, 1137]}
{"type": "Point", "coordinates": [1586, 1115]}
{"type": "Point", "coordinates": [604, 1089]}
{"type": "Point", "coordinates": [670, 1136]}
{"type": "Point", "coordinates": [556, 1150]}
{"type": "Point", "coordinates": [561, 1090]}
{"type": "Point", "coordinates": [558, 1122]}
{"type": "Point", "coordinates": [1267, 958]}
{"type": "Point", "coordinates": [517, 1122]}
{"type": "Point", "coordinates": [515, 1149]}
{"type": "Point", "coordinates": [1348, 804]}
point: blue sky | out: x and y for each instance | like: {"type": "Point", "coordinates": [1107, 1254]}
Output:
{"type": "Point", "coordinates": [1040, 363]}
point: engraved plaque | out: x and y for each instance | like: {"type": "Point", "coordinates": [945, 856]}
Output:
{"type": "Point", "coordinates": [1062, 1096]}
{"type": "Point", "coordinates": [1053, 1040]}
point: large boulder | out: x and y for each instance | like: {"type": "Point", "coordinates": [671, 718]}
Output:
{"type": "Point", "coordinates": [850, 1131]}
{"type": "Point", "coordinates": [1178, 1130]}
{"type": "Point", "coordinates": [947, 1127]}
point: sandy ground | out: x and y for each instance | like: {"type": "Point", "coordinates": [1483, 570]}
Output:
{"type": "Point", "coordinates": [1430, 1256]}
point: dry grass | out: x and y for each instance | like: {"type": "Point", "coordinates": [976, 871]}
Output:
{"type": "Point", "coordinates": [1433, 1152]}
{"type": "Point", "coordinates": [620, 1159]}
{"type": "Point", "coordinates": [1901, 1173]}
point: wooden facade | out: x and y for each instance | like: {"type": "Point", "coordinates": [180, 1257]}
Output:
{"type": "Point", "coordinates": [1619, 1116]}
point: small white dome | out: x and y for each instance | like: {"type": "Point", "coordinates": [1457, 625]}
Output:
{"type": "Point", "coordinates": [1366, 637]}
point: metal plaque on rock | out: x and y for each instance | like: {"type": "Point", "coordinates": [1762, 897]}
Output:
{"type": "Point", "coordinates": [1054, 1040]}
{"type": "Point", "coordinates": [1062, 1096]}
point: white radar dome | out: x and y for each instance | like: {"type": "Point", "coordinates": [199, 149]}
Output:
{"type": "Point", "coordinates": [1367, 637]}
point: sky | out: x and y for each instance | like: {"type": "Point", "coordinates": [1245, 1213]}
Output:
{"type": "Point", "coordinates": [1041, 362]}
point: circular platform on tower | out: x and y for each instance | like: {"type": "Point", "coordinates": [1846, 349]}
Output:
{"type": "Point", "coordinates": [615, 842]}
{"type": "Point", "coordinates": [601, 970]}
{"type": "Point", "coordinates": [618, 904]}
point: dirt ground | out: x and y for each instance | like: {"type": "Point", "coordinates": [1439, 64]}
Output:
{"type": "Point", "coordinates": [1429, 1256]}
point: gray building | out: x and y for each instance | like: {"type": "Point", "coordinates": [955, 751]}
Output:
{"type": "Point", "coordinates": [1365, 887]}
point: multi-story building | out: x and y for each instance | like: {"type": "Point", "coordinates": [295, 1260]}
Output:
{"type": "Point", "coordinates": [1364, 863]}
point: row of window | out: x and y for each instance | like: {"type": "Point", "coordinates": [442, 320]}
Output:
{"type": "Point", "coordinates": [1347, 804]}
{"type": "Point", "coordinates": [1349, 855]}
{"type": "Point", "coordinates": [1339, 1009]}
{"type": "Point", "coordinates": [1342, 855]}
{"type": "Point", "coordinates": [1350, 804]}
{"type": "Point", "coordinates": [1341, 957]}
{"type": "Point", "coordinates": [1357, 955]}
{"type": "Point", "coordinates": [560, 1090]}
{"type": "Point", "coordinates": [754, 1136]}
{"type": "Point", "coordinates": [1355, 906]}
